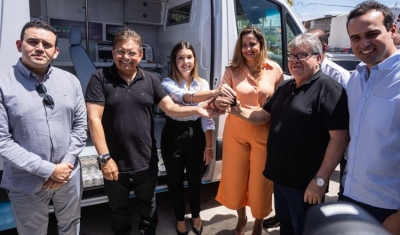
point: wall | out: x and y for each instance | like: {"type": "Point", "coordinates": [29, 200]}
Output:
{"type": "Point", "coordinates": [321, 23]}
{"type": "Point", "coordinates": [12, 19]}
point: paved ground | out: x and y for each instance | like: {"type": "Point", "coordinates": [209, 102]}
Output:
{"type": "Point", "coordinates": [217, 219]}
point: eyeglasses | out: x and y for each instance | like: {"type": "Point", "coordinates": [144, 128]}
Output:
{"type": "Point", "coordinates": [122, 53]}
{"type": "Point", "coordinates": [47, 100]}
{"type": "Point", "coordinates": [300, 56]}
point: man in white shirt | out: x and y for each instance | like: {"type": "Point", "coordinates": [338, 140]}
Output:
{"type": "Point", "coordinates": [329, 67]}
{"type": "Point", "coordinates": [339, 74]}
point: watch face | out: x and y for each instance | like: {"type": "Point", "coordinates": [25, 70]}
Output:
{"type": "Point", "coordinates": [320, 182]}
{"type": "Point", "coordinates": [103, 160]}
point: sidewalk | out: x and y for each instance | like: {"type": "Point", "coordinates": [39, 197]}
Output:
{"type": "Point", "coordinates": [218, 220]}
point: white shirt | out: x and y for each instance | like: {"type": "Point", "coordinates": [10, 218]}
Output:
{"type": "Point", "coordinates": [335, 71]}
{"type": "Point", "coordinates": [177, 91]}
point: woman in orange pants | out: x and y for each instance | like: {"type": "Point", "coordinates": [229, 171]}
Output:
{"type": "Point", "coordinates": [254, 78]}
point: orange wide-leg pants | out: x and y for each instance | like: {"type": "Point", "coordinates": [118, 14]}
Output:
{"type": "Point", "coordinates": [243, 161]}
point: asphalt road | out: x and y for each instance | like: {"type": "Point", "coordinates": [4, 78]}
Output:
{"type": "Point", "coordinates": [217, 219]}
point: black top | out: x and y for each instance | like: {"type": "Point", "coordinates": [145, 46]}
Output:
{"type": "Point", "coordinates": [128, 118]}
{"type": "Point", "coordinates": [300, 123]}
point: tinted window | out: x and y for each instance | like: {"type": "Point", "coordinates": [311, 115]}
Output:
{"type": "Point", "coordinates": [277, 26]}
{"type": "Point", "coordinates": [179, 14]}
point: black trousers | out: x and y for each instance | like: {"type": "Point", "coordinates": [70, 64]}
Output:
{"type": "Point", "coordinates": [182, 147]}
{"type": "Point", "coordinates": [144, 185]}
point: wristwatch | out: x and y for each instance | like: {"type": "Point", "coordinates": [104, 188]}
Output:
{"type": "Point", "coordinates": [102, 159]}
{"type": "Point", "coordinates": [320, 182]}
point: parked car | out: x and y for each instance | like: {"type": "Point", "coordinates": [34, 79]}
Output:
{"type": "Point", "coordinates": [346, 60]}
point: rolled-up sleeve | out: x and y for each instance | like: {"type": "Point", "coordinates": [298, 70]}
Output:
{"type": "Point", "coordinates": [174, 91]}
{"type": "Point", "coordinates": [207, 124]}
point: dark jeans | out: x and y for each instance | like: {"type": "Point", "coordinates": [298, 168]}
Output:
{"type": "Point", "coordinates": [290, 209]}
{"type": "Point", "coordinates": [182, 147]}
{"type": "Point", "coordinates": [378, 213]}
{"type": "Point", "coordinates": [144, 184]}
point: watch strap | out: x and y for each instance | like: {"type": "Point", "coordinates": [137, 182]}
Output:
{"type": "Point", "coordinates": [102, 156]}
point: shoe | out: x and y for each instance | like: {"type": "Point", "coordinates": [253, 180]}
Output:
{"type": "Point", "coordinates": [244, 228]}
{"type": "Point", "coordinates": [197, 231]}
{"type": "Point", "coordinates": [181, 233]}
{"type": "Point", "coordinates": [271, 222]}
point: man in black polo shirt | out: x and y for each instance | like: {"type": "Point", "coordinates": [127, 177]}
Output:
{"type": "Point", "coordinates": [308, 135]}
{"type": "Point", "coordinates": [119, 102]}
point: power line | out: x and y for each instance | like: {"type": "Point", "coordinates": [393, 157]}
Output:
{"type": "Point", "coordinates": [322, 4]}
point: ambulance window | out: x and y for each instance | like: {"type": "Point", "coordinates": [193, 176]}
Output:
{"type": "Point", "coordinates": [266, 16]}
{"type": "Point", "coordinates": [179, 14]}
{"type": "Point", "coordinates": [291, 29]}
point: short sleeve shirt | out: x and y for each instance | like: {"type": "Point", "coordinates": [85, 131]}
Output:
{"type": "Point", "coordinates": [301, 119]}
{"type": "Point", "coordinates": [128, 118]}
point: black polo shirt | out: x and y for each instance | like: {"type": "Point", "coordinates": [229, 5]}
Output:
{"type": "Point", "coordinates": [128, 118]}
{"type": "Point", "coordinates": [301, 119]}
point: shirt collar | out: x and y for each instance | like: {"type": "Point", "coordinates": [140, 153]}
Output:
{"type": "Point", "coordinates": [29, 74]}
{"type": "Point", "coordinates": [315, 76]}
{"type": "Point", "coordinates": [387, 64]}
{"type": "Point", "coordinates": [114, 73]}
{"type": "Point", "coordinates": [194, 83]}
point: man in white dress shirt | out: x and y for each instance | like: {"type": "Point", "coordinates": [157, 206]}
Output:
{"type": "Point", "coordinates": [329, 67]}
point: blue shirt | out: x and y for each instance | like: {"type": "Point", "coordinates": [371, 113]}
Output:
{"type": "Point", "coordinates": [372, 174]}
{"type": "Point", "coordinates": [35, 137]}
{"type": "Point", "coordinates": [177, 91]}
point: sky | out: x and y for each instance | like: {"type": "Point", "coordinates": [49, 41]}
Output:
{"type": "Point", "coordinates": [314, 9]}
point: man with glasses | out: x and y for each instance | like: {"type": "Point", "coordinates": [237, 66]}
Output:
{"type": "Point", "coordinates": [308, 135]}
{"type": "Point", "coordinates": [120, 101]}
{"type": "Point", "coordinates": [43, 128]}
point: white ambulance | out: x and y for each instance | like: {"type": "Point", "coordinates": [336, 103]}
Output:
{"type": "Point", "coordinates": [211, 26]}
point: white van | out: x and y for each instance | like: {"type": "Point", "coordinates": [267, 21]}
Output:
{"type": "Point", "coordinates": [211, 26]}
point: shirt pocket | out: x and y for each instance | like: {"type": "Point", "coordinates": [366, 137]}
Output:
{"type": "Point", "coordinates": [380, 112]}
